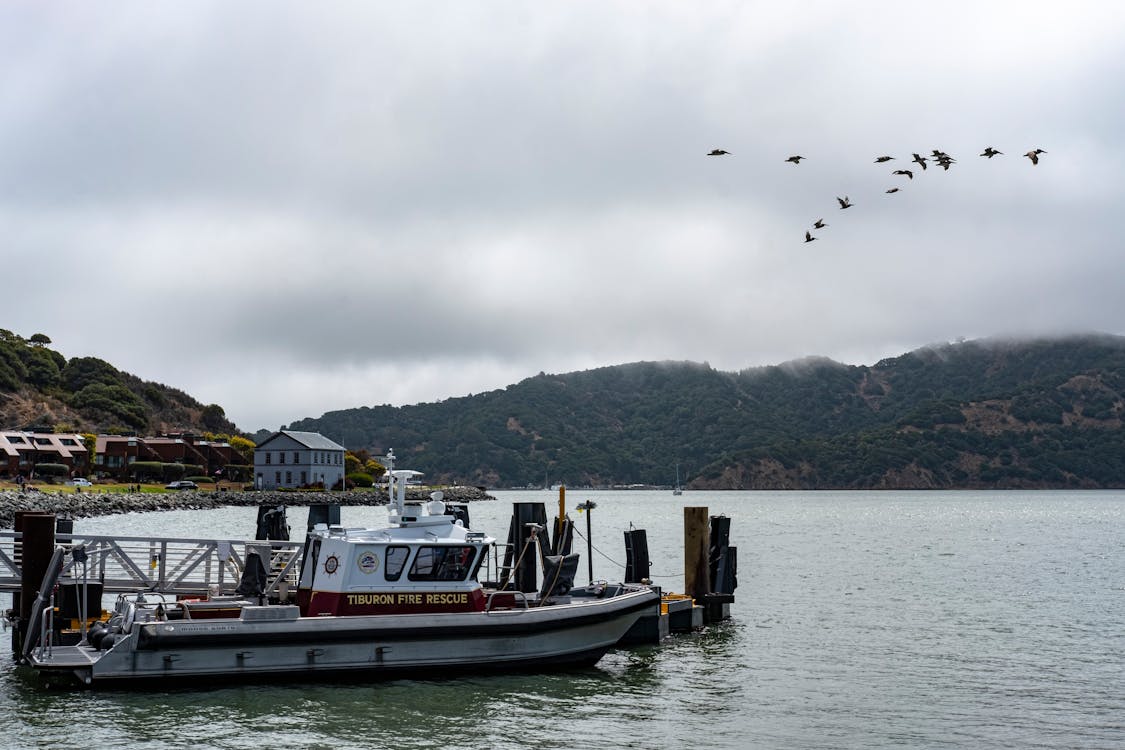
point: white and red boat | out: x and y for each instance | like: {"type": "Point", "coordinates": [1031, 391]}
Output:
{"type": "Point", "coordinates": [401, 599]}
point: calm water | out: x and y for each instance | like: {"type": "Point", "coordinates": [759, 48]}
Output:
{"type": "Point", "coordinates": [863, 620]}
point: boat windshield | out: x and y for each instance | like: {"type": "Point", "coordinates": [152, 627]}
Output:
{"type": "Point", "coordinates": [442, 563]}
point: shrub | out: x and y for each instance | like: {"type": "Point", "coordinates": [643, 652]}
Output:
{"type": "Point", "coordinates": [172, 472]}
{"type": "Point", "coordinates": [147, 471]}
{"type": "Point", "coordinates": [51, 470]}
{"type": "Point", "coordinates": [175, 471]}
{"type": "Point", "coordinates": [238, 472]}
{"type": "Point", "coordinates": [360, 479]}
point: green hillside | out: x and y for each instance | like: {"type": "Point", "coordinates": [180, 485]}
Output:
{"type": "Point", "coordinates": [42, 389]}
{"type": "Point", "coordinates": [1043, 413]}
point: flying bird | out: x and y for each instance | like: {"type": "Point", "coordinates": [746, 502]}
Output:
{"type": "Point", "coordinates": [819, 224]}
{"type": "Point", "coordinates": [1034, 155]}
{"type": "Point", "coordinates": [893, 190]}
{"type": "Point", "coordinates": [991, 152]}
{"type": "Point", "coordinates": [795, 160]}
{"type": "Point", "coordinates": [906, 172]}
{"type": "Point", "coordinates": [809, 237]}
{"type": "Point", "coordinates": [881, 159]}
{"type": "Point", "coordinates": [919, 160]}
{"type": "Point", "coordinates": [844, 202]}
{"type": "Point", "coordinates": [718, 152]}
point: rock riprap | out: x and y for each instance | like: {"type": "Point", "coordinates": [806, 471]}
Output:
{"type": "Point", "coordinates": [70, 504]}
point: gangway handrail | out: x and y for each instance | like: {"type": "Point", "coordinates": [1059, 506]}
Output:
{"type": "Point", "coordinates": [43, 600]}
{"type": "Point", "coordinates": [171, 564]}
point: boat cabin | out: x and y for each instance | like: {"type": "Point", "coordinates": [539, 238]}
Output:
{"type": "Point", "coordinates": [425, 561]}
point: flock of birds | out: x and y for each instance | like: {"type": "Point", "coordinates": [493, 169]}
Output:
{"type": "Point", "coordinates": [937, 156]}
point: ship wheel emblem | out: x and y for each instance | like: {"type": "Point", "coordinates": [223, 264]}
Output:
{"type": "Point", "coordinates": [331, 564]}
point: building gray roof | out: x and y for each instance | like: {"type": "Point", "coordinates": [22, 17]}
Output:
{"type": "Point", "coordinates": [312, 440]}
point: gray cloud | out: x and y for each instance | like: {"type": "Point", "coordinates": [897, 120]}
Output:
{"type": "Point", "coordinates": [387, 204]}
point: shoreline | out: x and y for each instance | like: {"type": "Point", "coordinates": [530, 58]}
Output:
{"type": "Point", "coordinates": [93, 504]}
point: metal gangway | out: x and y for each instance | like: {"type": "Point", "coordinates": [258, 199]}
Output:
{"type": "Point", "coordinates": [168, 565]}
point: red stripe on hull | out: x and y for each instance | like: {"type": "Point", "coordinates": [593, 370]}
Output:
{"type": "Point", "coordinates": [323, 603]}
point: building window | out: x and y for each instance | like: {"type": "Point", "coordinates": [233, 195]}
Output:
{"type": "Point", "coordinates": [288, 478]}
{"type": "Point", "coordinates": [269, 457]}
{"type": "Point", "coordinates": [277, 478]}
{"type": "Point", "coordinates": [304, 479]}
{"type": "Point", "coordinates": [296, 457]}
{"type": "Point", "coordinates": [281, 457]}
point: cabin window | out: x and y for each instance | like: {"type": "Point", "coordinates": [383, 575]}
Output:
{"type": "Point", "coordinates": [441, 563]}
{"type": "Point", "coordinates": [396, 561]}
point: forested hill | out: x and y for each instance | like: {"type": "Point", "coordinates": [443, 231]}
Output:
{"type": "Point", "coordinates": [41, 389]}
{"type": "Point", "coordinates": [986, 414]}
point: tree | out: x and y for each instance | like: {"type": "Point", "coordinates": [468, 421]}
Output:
{"type": "Point", "coordinates": [374, 468]}
{"type": "Point", "coordinates": [242, 445]}
{"type": "Point", "coordinates": [82, 371]}
{"type": "Point", "coordinates": [214, 417]}
{"type": "Point", "coordinates": [39, 339]}
{"type": "Point", "coordinates": [90, 440]}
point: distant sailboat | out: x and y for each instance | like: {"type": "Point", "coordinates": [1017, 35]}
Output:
{"type": "Point", "coordinates": [677, 490]}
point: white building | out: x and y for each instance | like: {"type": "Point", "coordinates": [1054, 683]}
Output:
{"type": "Point", "coordinates": [297, 459]}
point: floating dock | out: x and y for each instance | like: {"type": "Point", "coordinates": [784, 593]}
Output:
{"type": "Point", "coordinates": [202, 568]}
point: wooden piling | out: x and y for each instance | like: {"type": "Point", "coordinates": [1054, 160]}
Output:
{"type": "Point", "coordinates": [33, 552]}
{"type": "Point", "coordinates": [697, 579]}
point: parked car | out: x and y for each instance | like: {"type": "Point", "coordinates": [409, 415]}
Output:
{"type": "Point", "coordinates": [80, 482]}
{"type": "Point", "coordinates": [183, 484]}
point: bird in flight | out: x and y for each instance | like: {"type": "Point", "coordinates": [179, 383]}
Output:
{"type": "Point", "coordinates": [906, 172]}
{"type": "Point", "coordinates": [809, 237]}
{"type": "Point", "coordinates": [1034, 155]}
{"type": "Point", "coordinates": [991, 152]}
{"type": "Point", "coordinates": [919, 160]}
{"type": "Point", "coordinates": [718, 152]}
{"type": "Point", "coordinates": [819, 224]}
{"type": "Point", "coordinates": [796, 160]}
{"type": "Point", "coordinates": [893, 190]}
{"type": "Point", "coordinates": [881, 159]}
{"type": "Point", "coordinates": [844, 202]}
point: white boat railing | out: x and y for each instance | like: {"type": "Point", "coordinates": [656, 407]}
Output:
{"type": "Point", "coordinates": [168, 565]}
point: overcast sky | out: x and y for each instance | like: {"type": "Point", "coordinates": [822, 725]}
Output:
{"type": "Point", "coordinates": [292, 208]}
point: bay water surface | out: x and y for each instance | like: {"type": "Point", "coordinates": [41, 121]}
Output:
{"type": "Point", "coordinates": [862, 620]}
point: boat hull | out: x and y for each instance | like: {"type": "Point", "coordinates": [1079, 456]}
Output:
{"type": "Point", "coordinates": [556, 636]}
